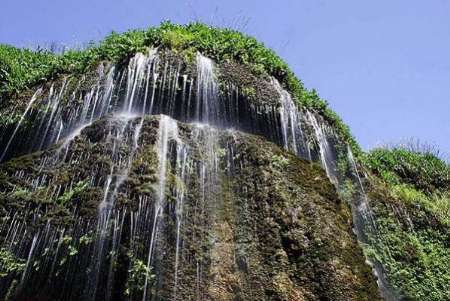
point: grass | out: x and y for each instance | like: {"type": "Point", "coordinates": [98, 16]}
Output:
{"type": "Point", "coordinates": [423, 170]}
{"type": "Point", "coordinates": [437, 204]}
{"type": "Point", "coordinates": [23, 68]}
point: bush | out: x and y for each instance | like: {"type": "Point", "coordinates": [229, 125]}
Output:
{"type": "Point", "coordinates": [423, 170]}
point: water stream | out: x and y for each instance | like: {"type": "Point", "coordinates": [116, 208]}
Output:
{"type": "Point", "coordinates": [158, 229]}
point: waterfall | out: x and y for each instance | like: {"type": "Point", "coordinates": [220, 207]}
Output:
{"type": "Point", "coordinates": [138, 76]}
{"type": "Point", "coordinates": [148, 84]}
{"type": "Point", "coordinates": [290, 120]}
{"type": "Point", "coordinates": [365, 225]}
{"type": "Point", "coordinates": [326, 156]}
{"type": "Point", "coordinates": [168, 131]}
{"type": "Point", "coordinates": [363, 206]}
{"type": "Point", "coordinates": [293, 138]}
{"type": "Point", "coordinates": [181, 163]}
{"type": "Point", "coordinates": [206, 108]}
{"type": "Point", "coordinates": [163, 225]}
{"type": "Point", "coordinates": [54, 104]}
{"type": "Point", "coordinates": [109, 219]}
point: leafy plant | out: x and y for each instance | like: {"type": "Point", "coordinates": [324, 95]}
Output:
{"type": "Point", "coordinates": [424, 171]}
{"type": "Point", "coordinates": [279, 161]}
{"type": "Point", "coordinates": [72, 193]}
{"type": "Point", "coordinates": [9, 264]}
{"type": "Point", "coordinates": [138, 273]}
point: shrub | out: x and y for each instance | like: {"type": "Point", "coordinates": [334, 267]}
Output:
{"type": "Point", "coordinates": [423, 170]}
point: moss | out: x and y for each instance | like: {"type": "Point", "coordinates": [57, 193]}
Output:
{"type": "Point", "coordinates": [258, 89]}
{"type": "Point", "coordinates": [265, 226]}
{"type": "Point", "coordinates": [304, 238]}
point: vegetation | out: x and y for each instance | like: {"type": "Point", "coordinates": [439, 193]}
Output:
{"type": "Point", "coordinates": [412, 214]}
{"type": "Point", "coordinates": [138, 273]}
{"type": "Point", "coordinates": [9, 264]}
{"type": "Point", "coordinates": [423, 170]}
{"type": "Point", "coordinates": [22, 68]}
{"type": "Point", "coordinates": [69, 195]}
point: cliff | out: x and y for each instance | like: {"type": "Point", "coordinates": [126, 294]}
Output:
{"type": "Point", "coordinates": [188, 162]}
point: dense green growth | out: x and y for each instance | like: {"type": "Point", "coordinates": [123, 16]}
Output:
{"type": "Point", "coordinates": [423, 170]}
{"type": "Point", "coordinates": [412, 214]}
{"type": "Point", "coordinates": [9, 264]}
{"type": "Point", "coordinates": [20, 69]}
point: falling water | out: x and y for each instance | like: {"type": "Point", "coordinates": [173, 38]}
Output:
{"type": "Point", "coordinates": [119, 172]}
{"type": "Point", "coordinates": [138, 75]}
{"type": "Point", "coordinates": [168, 131]}
{"type": "Point", "coordinates": [65, 146]}
{"type": "Point", "coordinates": [151, 87]}
{"type": "Point", "coordinates": [326, 156]}
{"type": "Point", "coordinates": [54, 103]}
{"type": "Point", "coordinates": [289, 119]}
{"type": "Point", "coordinates": [22, 118]}
{"type": "Point", "coordinates": [181, 163]}
{"type": "Point", "coordinates": [364, 206]}
{"type": "Point", "coordinates": [365, 225]}
{"type": "Point", "coordinates": [207, 108]}
{"type": "Point", "coordinates": [30, 254]}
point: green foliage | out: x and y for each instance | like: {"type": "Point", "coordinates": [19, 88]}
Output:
{"type": "Point", "coordinates": [9, 119]}
{"type": "Point", "coordinates": [9, 264]}
{"type": "Point", "coordinates": [73, 193]}
{"type": "Point", "coordinates": [412, 222]}
{"type": "Point", "coordinates": [249, 91]}
{"type": "Point", "coordinates": [440, 205]}
{"type": "Point", "coordinates": [23, 68]}
{"type": "Point", "coordinates": [86, 239]}
{"type": "Point", "coordinates": [279, 161]}
{"type": "Point", "coordinates": [21, 194]}
{"type": "Point", "coordinates": [422, 170]}
{"type": "Point", "coordinates": [137, 274]}
{"type": "Point", "coordinates": [436, 204]}
{"type": "Point", "coordinates": [417, 261]}
{"type": "Point", "coordinates": [19, 67]}
{"type": "Point", "coordinates": [347, 190]}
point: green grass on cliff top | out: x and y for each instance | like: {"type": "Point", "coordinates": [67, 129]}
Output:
{"type": "Point", "coordinates": [24, 68]}
{"type": "Point", "coordinates": [422, 170]}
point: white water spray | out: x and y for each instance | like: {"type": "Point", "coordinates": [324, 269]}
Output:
{"type": "Point", "coordinates": [30, 103]}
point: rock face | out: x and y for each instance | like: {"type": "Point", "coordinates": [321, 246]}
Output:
{"type": "Point", "coordinates": [169, 179]}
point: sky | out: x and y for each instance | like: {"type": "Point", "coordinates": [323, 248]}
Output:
{"type": "Point", "coordinates": [383, 66]}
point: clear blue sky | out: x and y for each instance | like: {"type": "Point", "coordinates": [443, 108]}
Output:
{"type": "Point", "coordinates": [383, 65]}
